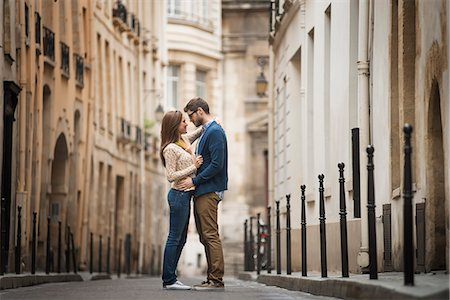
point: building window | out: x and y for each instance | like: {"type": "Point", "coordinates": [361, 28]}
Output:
{"type": "Point", "coordinates": [196, 11]}
{"type": "Point", "coordinates": [173, 79]}
{"type": "Point", "coordinates": [174, 7]}
{"type": "Point", "coordinates": [200, 83]}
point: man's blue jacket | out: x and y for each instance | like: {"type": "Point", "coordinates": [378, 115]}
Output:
{"type": "Point", "coordinates": [212, 176]}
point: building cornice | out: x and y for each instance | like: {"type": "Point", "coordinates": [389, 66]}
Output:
{"type": "Point", "coordinates": [282, 23]}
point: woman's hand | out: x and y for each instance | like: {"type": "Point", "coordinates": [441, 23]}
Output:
{"type": "Point", "coordinates": [198, 161]}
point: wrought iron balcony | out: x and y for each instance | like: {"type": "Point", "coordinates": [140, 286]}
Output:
{"type": "Point", "coordinates": [120, 11]}
{"type": "Point", "coordinates": [27, 24]}
{"type": "Point", "coordinates": [138, 135]}
{"type": "Point", "coordinates": [49, 44]}
{"type": "Point", "coordinates": [37, 19]}
{"type": "Point", "coordinates": [65, 58]}
{"type": "Point", "coordinates": [79, 70]}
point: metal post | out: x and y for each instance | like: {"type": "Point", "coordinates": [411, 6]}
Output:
{"type": "Point", "coordinates": [3, 251]}
{"type": "Point", "coordinates": [408, 254]}
{"type": "Point", "coordinates": [100, 254]}
{"type": "Point", "coordinates": [119, 263]}
{"type": "Point", "coordinates": [245, 246]}
{"type": "Point", "coordinates": [68, 250]}
{"type": "Point", "coordinates": [356, 174]}
{"type": "Point", "coordinates": [91, 262]}
{"type": "Point", "coordinates": [18, 253]}
{"type": "Point", "coordinates": [58, 256]}
{"type": "Point", "coordinates": [251, 252]}
{"type": "Point", "coordinates": [288, 235]}
{"type": "Point", "coordinates": [47, 260]}
{"type": "Point", "coordinates": [343, 219]}
{"type": "Point", "coordinates": [303, 220]}
{"type": "Point", "coordinates": [258, 244]}
{"type": "Point", "coordinates": [108, 256]}
{"type": "Point", "coordinates": [323, 236]}
{"type": "Point", "coordinates": [371, 215]}
{"type": "Point", "coordinates": [74, 260]}
{"type": "Point", "coordinates": [33, 246]}
{"type": "Point", "coordinates": [278, 238]}
{"type": "Point", "coordinates": [269, 241]}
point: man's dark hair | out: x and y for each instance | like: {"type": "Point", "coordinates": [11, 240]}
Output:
{"type": "Point", "coordinates": [195, 103]}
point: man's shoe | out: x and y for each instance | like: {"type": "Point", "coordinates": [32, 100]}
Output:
{"type": "Point", "coordinates": [209, 286]}
{"type": "Point", "coordinates": [177, 285]}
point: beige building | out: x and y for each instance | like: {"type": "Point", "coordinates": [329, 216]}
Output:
{"type": "Point", "coordinates": [84, 148]}
{"type": "Point", "coordinates": [371, 65]}
{"type": "Point", "coordinates": [126, 180]}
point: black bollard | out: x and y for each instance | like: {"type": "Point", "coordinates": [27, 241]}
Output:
{"type": "Point", "coordinates": [3, 257]}
{"type": "Point", "coordinates": [100, 254]}
{"type": "Point", "coordinates": [74, 260]}
{"type": "Point", "coordinates": [323, 236]}
{"type": "Point", "coordinates": [91, 261]}
{"type": "Point", "coordinates": [371, 215]}
{"type": "Point", "coordinates": [47, 260]}
{"type": "Point", "coordinates": [108, 256]}
{"type": "Point", "coordinates": [251, 247]}
{"type": "Point", "coordinates": [288, 235]}
{"type": "Point", "coordinates": [303, 220]}
{"type": "Point", "coordinates": [33, 246]}
{"type": "Point", "coordinates": [58, 256]}
{"type": "Point", "coordinates": [408, 250]}
{"type": "Point", "coordinates": [245, 246]}
{"type": "Point", "coordinates": [356, 174]}
{"type": "Point", "coordinates": [278, 238]}
{"type": "Point", "coordinates": [68, 249]}
{"type": "Point", "coordinates": [269, 242]}
{"type": "Point", "coordinates": [18, 253]}
{"type": "Point", "coordinates": [258, 244]}
{"type": "Point", "coordinates": [343, 220]}
{"type": "Point", "coordinates": [119, 258]}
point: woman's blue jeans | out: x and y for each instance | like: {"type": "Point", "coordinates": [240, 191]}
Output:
{"type": "Point", "coordinates": [179, 203]}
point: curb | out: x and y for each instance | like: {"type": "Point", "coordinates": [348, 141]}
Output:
{"type": "Point", "coordinates": [347, 288]}
{"type": "Point", "coordinates": [12, 282]}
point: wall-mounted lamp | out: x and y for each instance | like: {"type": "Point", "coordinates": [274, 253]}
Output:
{"type": "Point", "coordinates": [159, 113]}
{"type": "Point", "coordinates": [261, 81]}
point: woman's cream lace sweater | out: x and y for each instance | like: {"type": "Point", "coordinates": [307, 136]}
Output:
{"type": "Point", "coordinates": [179, 162]}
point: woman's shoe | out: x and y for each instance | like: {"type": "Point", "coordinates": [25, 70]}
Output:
{"type": "Point", "coordinates": [177, 285]}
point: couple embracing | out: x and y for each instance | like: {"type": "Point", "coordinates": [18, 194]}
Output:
{"type": "Point", "coordinates": [200, 175]}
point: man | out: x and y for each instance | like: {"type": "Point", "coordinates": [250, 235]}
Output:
{"type": "Point", "coordinates": [210, 183]}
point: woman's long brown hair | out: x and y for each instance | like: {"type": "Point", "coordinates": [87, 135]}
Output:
{"type": "Point", "coordinates": [169, 130]}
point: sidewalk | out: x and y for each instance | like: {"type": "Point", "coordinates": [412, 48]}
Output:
{"type": "Point", "coordinates": [358, 286]}
{"type": "Point", "coordinates": [12, 281]}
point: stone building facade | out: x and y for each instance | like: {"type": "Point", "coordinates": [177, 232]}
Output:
{"type": "Point", "coordinates": [374, 66]}
{"type": "Point", "coordinates": [84, 152]}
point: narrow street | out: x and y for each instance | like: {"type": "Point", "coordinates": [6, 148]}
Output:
{"type": "Point", "coordinates": [150, 288]}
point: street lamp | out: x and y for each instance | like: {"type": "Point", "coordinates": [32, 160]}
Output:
{"type": "Point", "coordinates": [261, 81]}
{"type": "Point", "coordinates": [159, 113]}
{"type": "Point", "coordinates": [261, 85]}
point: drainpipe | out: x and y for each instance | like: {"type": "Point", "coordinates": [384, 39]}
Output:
{"type": "Point", "coordinates": [364, 123]}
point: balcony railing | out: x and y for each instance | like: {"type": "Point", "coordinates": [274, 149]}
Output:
{"type": "Point", "coordinates": [37, 19]}
{"type": "Point", "coordinates": [27, 24]}
{"type": "Point", "coordinates": [49, 44]}
{"type": "Point", "coordinates": [120, 12]}
{"type": "Point", "coordinates": [79, 69]}
{"type": "Point", "coordinates": [65, 58]}
{"type": "Point", "coordinates": [138, 135]}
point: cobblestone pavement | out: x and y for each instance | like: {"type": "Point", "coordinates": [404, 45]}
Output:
{"type": "Point", "coordinates": [150, 288]}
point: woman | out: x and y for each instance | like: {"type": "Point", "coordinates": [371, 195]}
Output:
{"type": "Point", "coordinates": [180, 162]}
